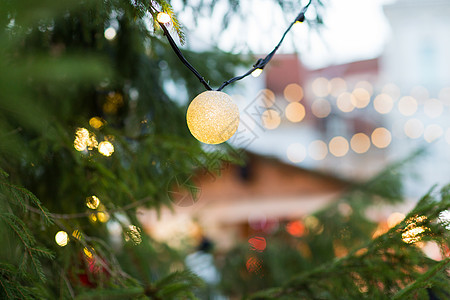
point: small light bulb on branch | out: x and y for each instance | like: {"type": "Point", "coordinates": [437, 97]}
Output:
{"type": "Point", "coordinates": [163, 17]}
{"type": "Point", "coordinates": [212, 117]}
{"type": "Point", "coordinates": [257, 72]}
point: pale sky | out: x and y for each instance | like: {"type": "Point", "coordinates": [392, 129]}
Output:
{"type": "Point", "coordinates": [354, 29]}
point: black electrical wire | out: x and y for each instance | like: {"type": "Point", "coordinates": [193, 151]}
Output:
{"type": "Point", "coordinates": [260, 64]}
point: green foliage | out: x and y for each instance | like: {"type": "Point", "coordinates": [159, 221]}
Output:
{"type": "Point", "coordinates": [338, 258]}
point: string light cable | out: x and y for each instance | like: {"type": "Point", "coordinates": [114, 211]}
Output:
{"type": "Point", "coordinates": [212, 116]}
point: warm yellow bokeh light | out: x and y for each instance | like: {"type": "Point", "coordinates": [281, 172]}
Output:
{"type": "Point", "coordinates": [163, 17]}
{"type": "Point", "coordinates": [321, 87]}
{"type": "Point", "coordinates": [364, 85]}
{"type": "Point", "coordinates": [77, 234]}
{"type": "Point", "coordinates": [106, 148]}
{"type": "Point", "coordinates": [268, 97]}
{"type": "Point", "coordinates": [338, 146]}
{"type": "Point", "coordinates": [93, 217]}
{"type": "Point", "coordinates": [381, 137]}
{"type": "Point", "coordinates": [337, 86]}
{"type": "Point", "coordinates": [88, 253]}
{"type": "Point", "coordinates": [360, 143]}
{"type": "Point", "coordinates": [392, 90]}
{"type": "Point", "coordinates": [84, 140]}
{"type": "Point", "coordinates": [61, 238]}
{"type": "Point", "coordinates": [110, 33]}
{"type": "Point", "coordinates": [345, 102]}
{"type": "Point", "coordinates": [257, 72]}
{"type": "Point", "coordinates": [432, 132]}
{"type": "Point", "coordinates": [92, 202]}
{"type": "Point", "coordinates": [96, 122]}
{"type": "Point", "coordinates": [293, 92]}
{"type": "Point", "coordinates": [113, 102]}
{"type": "Point", "coordinates": [394, 219]}
{"type": "Point", "coordinates": [361, 98]}
{"type": "Point", "coordinates": [317, 150]}
{"type": "Point", "coordinates": [433, 108]}
{"type": "Point", "coordinates": [407, 105]}
{"type": "Point", "coordinates": [413, 128]}
{"type": "Point", "coordinates": [296, 152]}
{"type": "Point", "coordinates": [383, 103]}
{"type": "Point", "coordinates": [321, 108]}
{"type": "Point", "coordinates": [102, 216]}
{"type": "Point", "coordinates": [270, 119]}
{"type": "Point", "coordinates": [212, 117]}
{"type": "Point", "coordinates": [295, 112]}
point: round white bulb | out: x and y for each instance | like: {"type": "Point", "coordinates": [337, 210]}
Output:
{"type": "Point", "coordinates": [212, 117]}
{"type": "Point", "coordinates": [163, 17]}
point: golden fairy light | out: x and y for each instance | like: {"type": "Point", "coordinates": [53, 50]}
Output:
{"type": "Point", "coordinates": [113, 102]}
{"type": "Point", "coordinates": [337, 86]}
{"type": "Point", "coordinates": [381, 137]}
{"type": "Point", "coordinates": [267, 97]}
{"type": "Point", "coordinates": [96, 122]}
{"type": "Point", "coordinates": [345, 102]}
{"type": "Point", "coordinates": [293, 92]}
{"type": "Point", "coordinates": [77, 234]}
{"type": "Point", "coordinates": [92, 202]}
{"type": "Point", "coordinates": [360, 143]}
{"type": "Point", "coordinates": [407, 105]}
{"type": "Point", "coordinates": [413, 128]}
{"type": "Point", "coordinates": [93, 217]}
{"type": "Point", "coordinates": [361, 98]}
{"type": "Point", "coordinates": [88, 253]}
{"type": "Point", "coordinates": [295, 112]}
{"type": "Point", "coordinates": [414, 229]}
{"type": "Point", "coordinates": [383, 103]}
{"type": "Point", "coordinates": [365, 85]}
{"type": "Point", "coordinates": [338, 146]}
{"type": "Point", "coordinates": [212, 117]}
{"type": "Point", "coordinates": [317, 150]}
{"type": "Point", "coordinates": [61, 238]}
{"type": "Point", "coordinates": [84, 140]}
{"type": "Point", "coordinates": [106, 148]}
{"type": "Point", "coordinates": [321, 87]}
{"type": "Point", "coordinates": [102, 216]}
{"type": "Point", "coordinates": [321, 108]}
{"type": "Point", "coordinates": [270, 119]}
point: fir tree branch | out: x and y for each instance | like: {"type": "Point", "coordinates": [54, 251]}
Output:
{"type": "Point", "coordinates": [423, 280]}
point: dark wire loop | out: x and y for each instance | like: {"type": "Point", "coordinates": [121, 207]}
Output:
{"type": "Point", "coordinates": [260, 63]}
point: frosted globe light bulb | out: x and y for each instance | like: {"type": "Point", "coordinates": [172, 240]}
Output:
{"type": "Point", "coordinates": [212, 117]}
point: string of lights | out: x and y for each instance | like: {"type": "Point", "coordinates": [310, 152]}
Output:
{"type": "Point", "coordinates": [163, 18]}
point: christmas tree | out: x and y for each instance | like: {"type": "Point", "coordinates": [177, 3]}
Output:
{"type": "Point", "coordinates": [89, 135]}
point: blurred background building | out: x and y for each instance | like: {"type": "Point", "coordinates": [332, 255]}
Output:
{"type": "Point", "coordinates": [309, 133]}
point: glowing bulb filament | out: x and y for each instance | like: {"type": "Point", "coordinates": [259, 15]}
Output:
{"type": "Point", "coordinates": [257, 72]}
